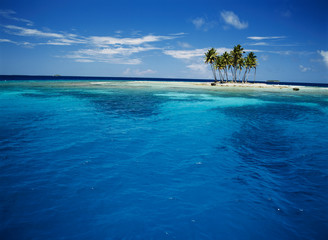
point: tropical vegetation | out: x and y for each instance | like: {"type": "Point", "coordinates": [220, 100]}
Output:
{"type": "Point", "coordinates": [234, 62]}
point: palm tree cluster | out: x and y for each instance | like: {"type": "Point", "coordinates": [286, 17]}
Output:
{"type": "Point", "coordinates": [234, 62]}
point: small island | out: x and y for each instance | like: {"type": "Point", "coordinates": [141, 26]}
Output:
{"type": "Point", "coordinates": [234, 61]}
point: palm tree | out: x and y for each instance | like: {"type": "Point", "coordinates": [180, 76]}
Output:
{"type": "Point", "coordinates": [252, 63]}
{"type": "Point", "coordinates": [210, 57]}
{"type": "Point", "coordinates": [233, 61]}
{"type": "Point", "coordinates": [248, 65]}
{"type": "Point", "coordinates": [236, 55]}
{"type": "Point", "coordinates": [226, 59]}
{"type": "Point", "coordinates": [219, 65]}
{"type": "Point", "coordinates": [241, 64]}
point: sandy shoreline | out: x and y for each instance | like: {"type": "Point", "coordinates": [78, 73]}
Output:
{"type": "Point", "coordinates": [203, 84]}
{"type": "Point", "coordinates": [229, 86]}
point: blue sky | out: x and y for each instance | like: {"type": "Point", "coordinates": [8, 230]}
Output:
{"type": "Point", "coordinates": [162, 38]}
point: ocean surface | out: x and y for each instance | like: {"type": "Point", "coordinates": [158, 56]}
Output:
{"type": "Point", "coordinates": [131, 160]}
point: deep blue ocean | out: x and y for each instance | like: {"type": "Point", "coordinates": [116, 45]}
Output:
{"type": "Point", "coordinates": [126, 160]}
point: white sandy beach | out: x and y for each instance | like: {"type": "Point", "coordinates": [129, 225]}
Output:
{"type": "Point", "coordinates": [226, 86]}
{"type": "Point", "coordinates": [198, 84]}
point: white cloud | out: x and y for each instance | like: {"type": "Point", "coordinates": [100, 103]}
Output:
{"type": "Point", "coordinates": [272, 45]}
{"type": "Point", "coordinates": [145, 72]}
{"type": "Point", "coordinates": [194, 60]}
{"type": "Point", "coordinates": [103, 49]}
{"type": "Point", "coordinates": [198, 67]}
{"type": "Point", "coordinates": [259, 44]}
{"type": "Point", "coordinates": [120, 60]}
{"type": "Point", "coordinates": [68, 41]}
{"type": "Point", "coordinates": [9, 15]}
{"type": "Point", "coordinates": [223, 49]}
{"type": "Point", "coordinates": [304, 69]}
{"type": "Point", "coordinates": [84, 60]}
{"type": "Point", "coordinates": [324, 55]}
{"type": "Point", "coordinates": [123, 51]}
{"type": "Point", "coordinates": [198, 22]}
{"type": "Point", "coordinates": [111, 49]}
{"type": "Point", "coordinates": [184, 45]}
{"type": "Point", "coordinates": [265, 38]}
{"type": "Point", "coordinates": [203, 24]}
{"type": "Point", "coordinates": [62, 39]}
{"type": "Point", "coordinates": [129, 72]}
{"type": "Point", "coordinates": [21, 31]}
{"type": "Point", "coordinates": [103, 41]}
{"type": "Point", "coordinates": [185, 54]}
{"type": "Point", "coordinates": [289, 52]}
{"type": "Point", "coordinates": [55, 43]}
{"type": "Point", "coordinates": [188, 54]}
{"type": "Point", "coordinates": [232, 19]}
{"type": "Point", "coordinates": [58, 38]}
{"type": "Point", "coordinates": [61, 42]}
{"type": "Point", "coordinates": [178, 34]}
{"type": "Point", "coordinates": [24, 44]}
{"type": "Point", "coordinates": [7, 40]}
{"type": "Point", "coordinates": [119, 55]}
{"type": "Point", "coordinates": [58, 42]}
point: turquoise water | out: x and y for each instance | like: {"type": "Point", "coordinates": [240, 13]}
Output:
{"type": "Point", "coordinates": [126, 160]}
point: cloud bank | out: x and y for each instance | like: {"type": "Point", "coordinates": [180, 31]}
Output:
{"type": "Point", "coordinates": [117, 50]}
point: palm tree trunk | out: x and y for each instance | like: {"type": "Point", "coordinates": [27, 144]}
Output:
{"type": "Point", "coordinates": [249, 70]}
{"type": "Point", "coordinates": [214, 74]}
{"type": "Point", "coordinates": [226, 73]}
{"type": "Point", "coordinates": [239, 74]}
{"type": "Point", "coordinates": [220, 74]}
{"type": "Point", "coordinates": [236, 75]}
{"type": "Point", "coordinates": [244, 77]}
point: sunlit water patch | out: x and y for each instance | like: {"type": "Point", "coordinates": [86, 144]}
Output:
{"type": "Point", "coordinates": [153, 161]}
